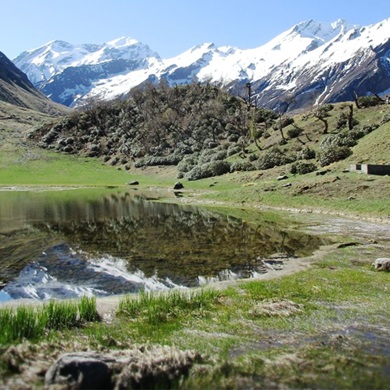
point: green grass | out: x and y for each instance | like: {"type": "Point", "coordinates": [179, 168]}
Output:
{"type": "Point", "coordinates": [32, 323]}
{"type": "Point", "coordinates": [51, 169]}
{"type": "Point", "coordinates": [156, 308]}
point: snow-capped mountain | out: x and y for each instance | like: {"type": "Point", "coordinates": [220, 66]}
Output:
{"type": "Point", "coordinates": [66, 72]}
{"type": "Point", "coordinates": [313, 62]}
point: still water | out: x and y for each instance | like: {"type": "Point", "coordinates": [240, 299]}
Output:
{"type": "Point", "coordinates": [63, 244]}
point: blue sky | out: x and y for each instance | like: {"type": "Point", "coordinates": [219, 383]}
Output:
{"type": "Point", "coordinates": [170, 26]}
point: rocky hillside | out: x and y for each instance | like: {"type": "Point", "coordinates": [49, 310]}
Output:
{"type": "Point", "coordinates": [205, 132]}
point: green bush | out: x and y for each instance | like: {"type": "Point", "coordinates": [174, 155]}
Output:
{"type": "Point", "coordinates": [294, 132]}
{"type": "Point", "coordinates": [385, 119]}
{"type": "Point", "coordinates": [233, 149]}
{"type": "Point", "coordinates": [242, 166]}
{"type": "Point", "coordinates": [333, 154]}
{"type": "Point", "coordinates": [368, 101]}
{"type": "Point", "coordinates": [219, 155]}
{"type": "Point", "coordinates": [87, 310]}
{"type": "Point", "coordinates": [187, 164]}
{"type": "Point", "coordinates": [344, 138]}
{"type": "Point", "coordinates": [214, 168]}
{"type": "Point", "coordinates": [301, 168]}
{"type": "Point", "coordinates": [342, 121]}
{"type": "Point", "coordinates": [306, 154]}
{"type": "Point", "coordinates": [273, 158]}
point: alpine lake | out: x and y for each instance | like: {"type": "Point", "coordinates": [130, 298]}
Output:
{"type": "Point", "coordinates": [69, 243]}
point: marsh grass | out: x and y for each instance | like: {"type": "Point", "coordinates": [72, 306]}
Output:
{"type": "Point", "coordinates": [19, 324]}
{"type": "Point", "coordinates": [31, 323]}
{"type": "Point", "coordinates": [159, 308]}
{"type": "Point", "coordinates": [87, 310]}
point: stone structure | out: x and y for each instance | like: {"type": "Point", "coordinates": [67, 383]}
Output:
{"type": "Point", "coordinates": [371, 169]}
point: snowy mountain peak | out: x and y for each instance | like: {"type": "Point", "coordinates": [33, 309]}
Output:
{"type": "Point", "coordinates": [43, 63]}
{"type": "Point", "coordinates": [203, 47]}
{"type": "Point", "coordinates": [56, 45]}
{"type": "Point", "coordinates": [122, 42]}
{"type": "Point", "coordinates": [304, 60]}
{"type": "Point", "coordinates": [320, 31]}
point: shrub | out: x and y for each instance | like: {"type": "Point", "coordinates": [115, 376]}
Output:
{"type": "Point", "coordinates": [385, 119]}
{"type": "Point", "coordinates": [345, 138]}
{"type": "Point", "coordinates": [368, 101]}
{"type": "Point", "coordinates": [273, 158]}
{"type": "Point", "coordinates": [258, 133]}
{"type": "Point", "coordinates": [369, 128]}
{"type": "Point", "coordinates": [206, 156]}
{"type": "Point", "coordinates": [242, 166]}
{"type": "Point", "coordinates": [284, 121]}
{"type": "Point", "coordinates": [186, 164]}
{"type": "Point", "coordinates": [302, 168]}
{"type": "Point", "coordinates": [233, 149]}
{"type": "Point", "coordinates": [306, 154]}
{"type": "Point", "coordinates": [333, 154]}
{"type": "Point", "coordinates": [342, 121]}
{"type": "Point", "coordinates": [172, 159]}
{"type": "Point", "coordinates": [214, 168]}
{"type": "Point", "coordinates": [218, 156]}
{"type": "Point", "coordinates": [294, 132]}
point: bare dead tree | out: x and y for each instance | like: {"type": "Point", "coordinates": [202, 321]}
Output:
{"type": "Point", "coordinates": [350, 117]}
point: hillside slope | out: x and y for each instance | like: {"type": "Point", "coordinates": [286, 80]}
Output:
{"type": "Point", "coordinates": [17, 90]}
{"type": "Point", "coordinates": [205, 132]}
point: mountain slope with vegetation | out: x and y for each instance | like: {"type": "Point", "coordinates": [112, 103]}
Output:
{"type": "Point", "coordinates": [205, 132]}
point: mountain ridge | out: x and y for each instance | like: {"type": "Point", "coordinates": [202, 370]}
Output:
{"type": "Point", "coordinates": [308, 61]}
{"type": "Point", "coordinates": [16, 89]}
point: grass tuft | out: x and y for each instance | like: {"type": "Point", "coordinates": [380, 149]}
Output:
{"type": "Point", "coordinates": [160, 308]}
{"type": "Point", "coordinates": [31, 323]}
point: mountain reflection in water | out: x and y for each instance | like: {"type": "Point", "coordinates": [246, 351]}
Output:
{"type": "Point", "coordinates": [72, 244]}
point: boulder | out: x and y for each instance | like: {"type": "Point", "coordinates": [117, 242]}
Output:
{"type": "Point", "coordinates": [178, 186]}
{"type": "Point", "coordinates": [83, 370]}
{"type": "Point", "coordinates": [282, 177]}
{"type": "Point", "coordinates": [382, 264]}
{"type": "Point", "coordinates": [140, 368]}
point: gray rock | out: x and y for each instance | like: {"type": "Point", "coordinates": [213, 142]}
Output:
{"type": "Point", "coordinates": [382, 264]}
{"type": "Point", "coordinates": [142, 367]}
{"type": "Point", "coordinates": [282, 177]}
{"type": "Point", "coordinates": [84, 370]}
